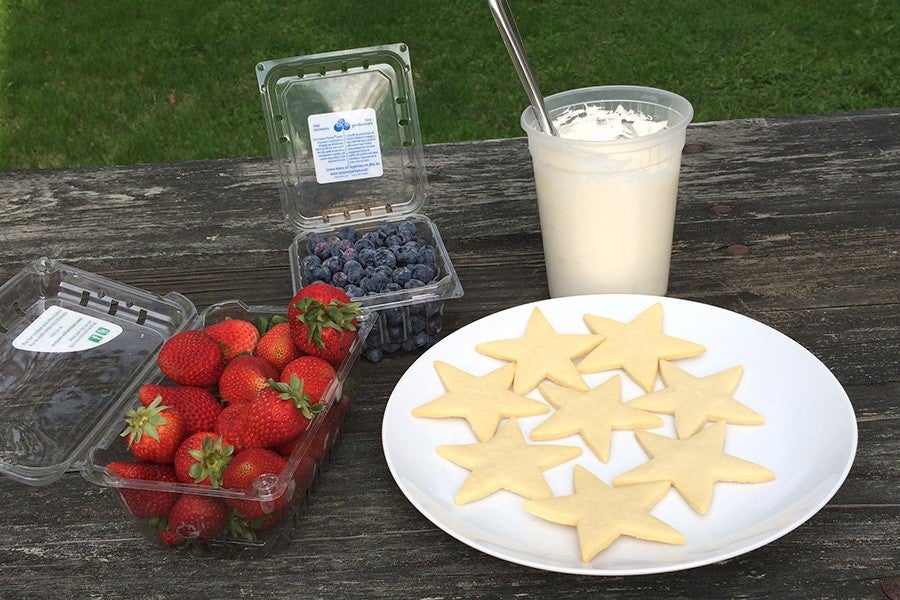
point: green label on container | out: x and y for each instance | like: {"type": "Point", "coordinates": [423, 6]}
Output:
{"type": "Point", "coordinates": [60, 329]}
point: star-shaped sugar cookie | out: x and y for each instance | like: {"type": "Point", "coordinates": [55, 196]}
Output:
{"type": "Point", "coordinates": [600, 513]}
{"type": "Point", "coordinates": [506, 462]}
{"type": "Point", "coordinates": [692, 465]}
{"type": "Point", "coordinates": [594, 414]}
{"type": "Point", "coordinates": [696, 400]}
{"type": "Point", "coordinates": [542, 353]}
{"type": "Point", "coordinates": [482, 401]}
{"type": "Point", "coordinates": [636, 346]}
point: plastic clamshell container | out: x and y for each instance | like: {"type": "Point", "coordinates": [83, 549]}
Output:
{"type": "Point", "coordinates": [345, 138]}
{"type": "Point", "coordinates": [74, 350]}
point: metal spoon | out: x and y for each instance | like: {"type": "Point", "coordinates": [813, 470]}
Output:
{"type": "Point", "coordinates": [510, 34]}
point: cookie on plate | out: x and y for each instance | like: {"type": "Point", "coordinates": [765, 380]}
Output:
{"type": "Point", "coordinates": [692, 465]}
{"type": "Point", "coordinates": [593, 414]}
{"type": "Point", "coordinates": [506, 462]}
{"type": "Point", "coordinates": [483, 401]}
{"type": "Point", "coordinates": [542, 353]}
{"type": "Point", "coordinates": [601, 514]}
{"type": "Point", "coordinates": [636, 346]}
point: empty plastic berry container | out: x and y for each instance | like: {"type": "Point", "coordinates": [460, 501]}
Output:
{"type": "Point", "coordinates": [74, 350]}
{"type": "Point", "coordinates": [344, 132]}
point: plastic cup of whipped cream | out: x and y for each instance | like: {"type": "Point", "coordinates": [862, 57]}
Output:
{"type": "Point", "coordinates": [606, 187]}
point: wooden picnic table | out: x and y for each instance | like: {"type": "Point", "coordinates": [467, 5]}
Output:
{"type": "Point", "coordinates": [791, 221]}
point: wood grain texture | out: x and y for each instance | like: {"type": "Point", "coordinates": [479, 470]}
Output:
{"type": "Point", "coordinates": [791, 221]}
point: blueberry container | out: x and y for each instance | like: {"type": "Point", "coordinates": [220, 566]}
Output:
{"type": "Point", "coordinates": [344, 133]}
{"type": "Point", "coordinates": [74, 350]}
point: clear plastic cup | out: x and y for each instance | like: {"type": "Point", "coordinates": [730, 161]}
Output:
{"type": "Point", "coordinates": [607, 208]}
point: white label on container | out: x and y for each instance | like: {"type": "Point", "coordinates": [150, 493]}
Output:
{"type": "Point", "coordinates": [345, 145]}
{"type": "Point", "coordinates": [59, 329]}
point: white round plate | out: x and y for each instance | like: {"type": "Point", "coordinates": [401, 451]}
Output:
{"type": "Point", "coordinates": [808, 440]}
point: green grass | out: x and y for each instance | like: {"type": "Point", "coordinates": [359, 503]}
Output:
{"type": "Point", "coordinates": [90, 83]}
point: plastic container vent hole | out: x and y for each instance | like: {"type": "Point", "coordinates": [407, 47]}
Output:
{"type": "Point", "coordinates": [142, 317]}
{"type": "Point", "coordinates": [401, 100]}
{"type": "Point", "coordinates": [344, 67]}
{"type": "Point", "coordinates": [85, 297]}
{"type": "Point", "coordinates": [403, 122]}
{"type": "Point", "coordinates": [365, 64]}
{"type": "Point", "coordinates": [18, 309]}
{"type": "Point", "coordinates": [113, 307]}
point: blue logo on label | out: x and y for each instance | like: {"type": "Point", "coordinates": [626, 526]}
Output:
{"type": "Point", "coordinates": [341, 125]}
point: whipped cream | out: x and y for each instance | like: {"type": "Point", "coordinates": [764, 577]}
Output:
{"type": "Point", "coordinates": [596, 124]}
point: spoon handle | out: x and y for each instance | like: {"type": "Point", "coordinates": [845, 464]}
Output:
{"type": "Point", "coordinates": [510, 34]}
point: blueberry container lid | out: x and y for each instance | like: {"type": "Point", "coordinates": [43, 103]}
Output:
{"type": "Point", "coordinates": [74, 347]}
{"type": "Point", "coordinates": [344, 133]}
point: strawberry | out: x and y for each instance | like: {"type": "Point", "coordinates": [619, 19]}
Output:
{"type": "Point", "coordinates": [235, 336]}
{"type": "Point", "coordinates": [314, 373]}
{"type": "Point", "coordinates": [164, 533]}
{"type": "Point", "coordinates": [248, 466]}
{"type": "Point", "coordinates": [154, 432]}
{"type": "Point", "coordinates": [196, 517]}
{"type": "Point", "coordinates": [191, 358]}
{"type": "Point", "coordinates": [197, 405]}
{"type": "Point", "coordinates": [145, 503]}
{"type": "Point", "coordinates": [323, 321]}
{"type": "Point", "coordinates": [202, 457]}
{"type": "Point", "coordinates": [231, 424]}
{"type": "Point", "coordinates": [243, 377]}
{"type": "Point", "coordinates": [280, 412]}
{"type": "Point", "coordinates": [277, 346]}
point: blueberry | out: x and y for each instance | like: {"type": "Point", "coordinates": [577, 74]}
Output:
{"type": "Point", "coordinates": [354, 291]}
{"type": "Point", "coordinates": [417, 323]}
{"type": "Point", "coordinates": [374, 354]}
{"type": "Point", "coordinates": [421, 339]}
{"type": "Point", "coordinates": [407, 230]}
{"type": "Point", "coordinates": [401, 275]}
{"type": "Point", "coordinates": [424, 272]}
{"type": "Point", "coordinates": [312, 241]}
{"type": "Point", "coordinates": [413, 283]}
{"type": "Point", "coordinates": [348, 233]}
{"type": "Point", "coordinates": [364, 243]}
{"type": "Point", "coordinates": [427, 255]}
{"type": "Point", "coordinates": [350, 253]}
{"type": "Point", "coordinates": [408, 254]}
{"type": "Point", "coordinates": [393, 316]}
{"type": "Point", "coordinates": [333, 239]}
{"type": "Point", "coordinates": [366, 257]}
{"type": "Point", "coordinates": [310, 260]}
{"type": "Point", "coordinates": [383, 256]}
{"type": "Point", "coordinates": [319, 274]}
{"type": "Point", "coordinates": [408, 345]}
{"type": "Point", "coordinates": [384, 271]}
{"type": "Point", "coordinates": [395, 333]}
{"type": "Point", "coordinates": [433, 326]}
{"type": "Point", "coordinates": [377, 238]}
{"type": "Point", "coordinates": [393, 241]}
{"type": "Point", "coordinates": [354, 271]}
{"type": "Point", "coordinates": [339, 279]}
{"type": "Point", "coordinates": [390, 348]}
{"type": "Point", "coordinates": [393, 287]}
{"type": "Point", "coordinates": [333, 264]}
{"type": "Point", "coordinates": [322, 249]}
{"type": "Point", "coordinates": [387, 229]}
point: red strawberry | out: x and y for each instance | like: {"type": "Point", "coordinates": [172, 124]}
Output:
{"type": "Point", "coordinates": [243, 377]}
{"type": "Point", "coordinates": [191, 358]}
{"type": "Point", "coordinates": [202, 458]}
{"type": "Point", "coordinates": [232, 425]}
{"type": "Point", "coordinates": [235, 336]}
{"type": "Point", "coordinates": [315, 373]}
{"type": "Point", "coordinates": [279, 413]}
{"type": "Point", "coordinates": [197, 405]}
{"type": "Point", "coordinates": [145, 503]}
{"type": "Point", "coordinates": [277, 346]}
{"type": "Point", "coordinates": [164, 533]}
{"type": "Point", "coordinates": [244, 470]}
{"type": "Point", "coordinates": [154, 432]}
{"type": "Point", "coordinates": [196, 517]}
{"type": "Point", "coordinates": [323, 321]}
